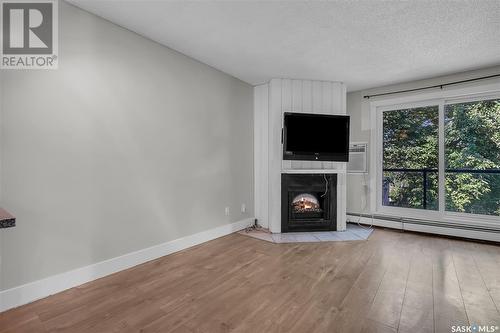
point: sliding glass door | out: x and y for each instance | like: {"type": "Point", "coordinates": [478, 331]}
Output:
{"type": "Point", "coordinates": [472, 157]}
{"type": "Point", "coordinates": [440, 158]}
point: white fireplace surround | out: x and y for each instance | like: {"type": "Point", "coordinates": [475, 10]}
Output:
{"type": "Point", "coordinates": [271, 100]}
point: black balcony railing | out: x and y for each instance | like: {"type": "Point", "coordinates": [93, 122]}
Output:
{"type": "Point", "coordinates": [425, 173]}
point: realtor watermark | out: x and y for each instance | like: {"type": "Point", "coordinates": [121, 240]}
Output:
{"type": "Point", "coordinates": [475, 328]}
{"type": "Point", "coordinates": [29, 36]}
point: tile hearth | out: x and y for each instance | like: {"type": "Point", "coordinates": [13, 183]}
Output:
{"type": "Point", "coordinates": [354, 232]}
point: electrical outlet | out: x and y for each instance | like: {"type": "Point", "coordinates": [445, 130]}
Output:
{"type": "Point", "coordinates": [243, 208]}
{"type": "Point", "coordinates": [226, 211]}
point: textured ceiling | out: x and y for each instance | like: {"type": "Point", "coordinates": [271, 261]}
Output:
{"type": "Point", "coordinates": [362, 43]}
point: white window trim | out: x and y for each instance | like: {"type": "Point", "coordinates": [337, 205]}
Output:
{"type": "Point", "coordinates": [439, 98]}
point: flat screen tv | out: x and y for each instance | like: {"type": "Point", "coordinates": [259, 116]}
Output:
{"type": "Point", "coordinates": [316, 137]}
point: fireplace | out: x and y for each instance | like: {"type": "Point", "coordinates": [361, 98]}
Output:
{"type": "Point", "coordinates": [308, 202]}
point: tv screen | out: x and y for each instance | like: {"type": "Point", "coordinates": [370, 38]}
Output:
{"type": "Point", "coordinates": [315, 137]}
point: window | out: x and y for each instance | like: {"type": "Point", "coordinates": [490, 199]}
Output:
{"type": "Point", "coordinates": [410, 158]}
{"type": "Point", "coordinates": [440, 158]}
{"type": "Point", "coordinates": [472, 157]}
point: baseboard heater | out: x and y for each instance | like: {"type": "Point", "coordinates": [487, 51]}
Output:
{"type": "Point", "coordinates": [430, 223]}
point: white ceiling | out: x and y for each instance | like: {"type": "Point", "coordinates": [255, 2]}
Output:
{"type": "Point", "coordinates": [362, 43]}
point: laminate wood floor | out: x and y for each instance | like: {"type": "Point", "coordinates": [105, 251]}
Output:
{"type": "Point", "coordinates": [394, 282]}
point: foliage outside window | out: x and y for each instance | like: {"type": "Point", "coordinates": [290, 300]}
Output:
{"type": "Point", "coordinates": [471, 151]}
{"type": "Point", "coordinates": [410, 158]}
{"type": "Point", "coordinates": [472, 142]}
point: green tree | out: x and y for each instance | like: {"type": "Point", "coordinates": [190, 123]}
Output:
{"type": "Point", "coordinates": [472, 141]}
{"type": "Point", "coordinates": [411, 142]}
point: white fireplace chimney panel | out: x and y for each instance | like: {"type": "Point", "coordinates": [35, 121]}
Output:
{"type": "Point", "coordinates": [271, 101]}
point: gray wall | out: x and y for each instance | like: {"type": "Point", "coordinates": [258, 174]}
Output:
{"type": "Point", "coordinates": [358, 189]}
{"type": "Point", "coordinates": [127, 145]}
{"type": "Point", "coordinates": [1, 232]}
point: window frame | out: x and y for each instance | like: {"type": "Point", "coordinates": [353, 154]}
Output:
{"type": "Point", "coordinates": [440, 99]}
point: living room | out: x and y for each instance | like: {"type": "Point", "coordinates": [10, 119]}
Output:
{"type": "Point", "coordinates": [217, 166]}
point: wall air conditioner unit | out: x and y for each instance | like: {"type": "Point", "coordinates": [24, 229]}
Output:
{"type": "Point", "coordinates": [358, 157]}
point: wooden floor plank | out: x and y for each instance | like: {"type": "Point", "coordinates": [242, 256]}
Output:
{"type": "Point", "coordinates": [479, 305]}
{"type": "Point", "coordinates": [352, 311]}
{"type": "Point", "coordinates": [487, 264]}
{"type": "Point", "coordinates": [387, 305]}
{"type": "Point", "coordinates": [448, 304]}
{"type": "Point", "coordinates": [392, 282]}
{"type": "Point", "coordinates": [417, 314]}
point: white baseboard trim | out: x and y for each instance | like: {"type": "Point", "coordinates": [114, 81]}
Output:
{"type": "Point", "coordinates": [33, 291]}
{"type": "Point", "coordinates": [456, 232]}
